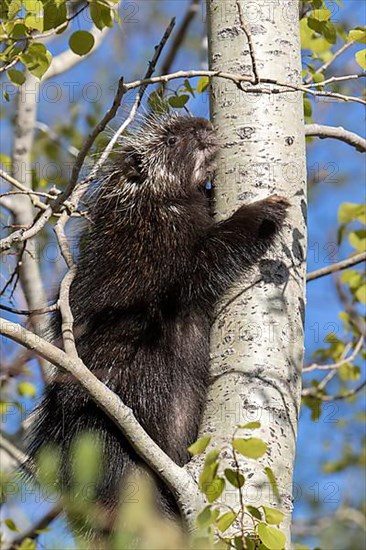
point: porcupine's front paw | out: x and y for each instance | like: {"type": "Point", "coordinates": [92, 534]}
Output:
{"type": "Point", "coordinates": [273, 213]}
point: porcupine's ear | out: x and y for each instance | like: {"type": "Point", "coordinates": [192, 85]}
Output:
{"type": "Point", "coordinates": [132, 164]}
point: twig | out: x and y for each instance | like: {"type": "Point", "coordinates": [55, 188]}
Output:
{"type": "Point", "coordinates": [51, 32]}
{"type": "Point", "coordinates": [340, 363]}
{"type": "Point", "coordinates": [16, 454]}
{"type": "Point", "coordinates": [35, 193]}
{"type": "Point", "coordinates": [341, 396]}
{"type": "Point", "coordinates": [355, 318]}
{"type": "Point", "coordinates": [322, 131]}
{"type": "Point", "coordinates": [248, 34]}
{"type": "Point", "coordinates": [23, 235]}
{"type": "Point", "coordinates": [53, 136]}
{"type": "Point", "coordinates": [66, 315]}
{"type": "Point", "coordinates": [42, 311]}
{"type": "Point", "coordinates": [34, 531]}
{"type": "Point", "coordinates": [344, 264]}
{"type": "Point", "coordinates": [238, 79]}
{"type": "Point", "coordinates": [62, 239]}
{"type": "Point", "coordinates": [139, 96]}
{"type": "Point", "coordinates": [7, 177]}
{"type": "Point", "coordinates": [180, 36]}
{"type": "Point", "coordinates": [342, 78]}
{"type": "Point", "coordinates": [326, 65]}
{"type": "Point", "coordinates": [19, 236]}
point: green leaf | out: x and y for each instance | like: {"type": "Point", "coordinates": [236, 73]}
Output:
{"type": "Point", "coordinates": [361, 294]}
{"type": "Point", "coordinates": [250, 543]}
{"type": "Point", "coordinates": [318, 77]}
{"type": "Point", "coordinates": [207, 517]}
{"type": "Point", "coordinates": [225, 521]}
{"type": "Point", "coordinates": [252, 447]}
{"type": "Point", "coordinates": [357, 35]}
{"type": "Point", "coordinates": [235, 478]}
{"type": "Point", "coordinates": [87, 459]}
{"type": "Point", "coordinates": [273, 538]}
{"type": "Point", "coordinates": [15, 76]}
{"type": "Point", "coordinates": [350, 211]}
{"type": "Point", "coordinates": [37, 59]}
{"type": "Point", "coordinates": [272, 515]}
{"type": "Point", "coordinates": [26, 389]}
{"type": "Point", "coordinates": [316, 25]}
{"type": "Point", "coordinates": [101, 14]}
{"type": "Point", "coordinates": [357, 239]}
{"type": "Point", "coordinates": [199, 446]}
{"type": "Point", "coordinates": [253, 511]}
{"type": "Point", "coordinates": [349, 372]}
{"type": "Point", "coordinates": [315, 405]}
{"type": "Point", "coordinates": [329, 32]}
{"type": "Point", "coordinates": [34, 21]}
{"type": "Point", "coordinates": [273, 482]}
{"type": "Point", "coordinates": [14, 7]}
{"type": "Point", "coordinates": [48, 463]}
{"type": "Point", "coordinates": [28, 544]}
{"type": "Point", "coordinates": [238, 543]}
{"type": "Point", "coordinates": [307, 107]}
{"type": "Point", "coordinates": [157, 103]}
{"type": "Point", "coordinates": [214, 489]}
{"type": "Point", "coordinates": [203, 84]}
{"type": "Point", "coordinates": [54, 15]}
{"type": "Point", "coordinates": [212, 457]}
{"type": "Point", "coordinates": [250, 426]}
{"type": "Point", "coordinates": [321, 15]}
{"type": "Point", "coordinates": [188, 87]}
{"type": "Point", "coordinates": [19, 30]}
{"type": "Point", "coordinates": [361, 59]}
{"type": "Point", "coordinates": [81, 42]}
{"type": "Point", "coordinates": [352, 278]}
{"type": "Point", "coordinates": [209, 470]}
{"type": "Point", "coordinates": [177, 102]}
{"type": "Point", "coordinates": [11, 525]}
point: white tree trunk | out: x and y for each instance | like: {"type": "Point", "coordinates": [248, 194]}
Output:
{"type": "Point", "coordinates": [257, 341]}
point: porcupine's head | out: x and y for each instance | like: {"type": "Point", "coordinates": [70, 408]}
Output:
{"type": "Point", "coordinates": [170, 155]}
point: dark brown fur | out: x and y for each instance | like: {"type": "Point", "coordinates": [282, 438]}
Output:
{"type": "Point", "coordinates": [148, 279]}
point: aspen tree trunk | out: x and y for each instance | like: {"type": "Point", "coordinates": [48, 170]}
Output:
{"type": "Point", "coordinates": [257, 340]}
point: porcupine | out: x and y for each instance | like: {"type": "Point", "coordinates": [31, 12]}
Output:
{"type": "Point", "coordinates": [153, 267]}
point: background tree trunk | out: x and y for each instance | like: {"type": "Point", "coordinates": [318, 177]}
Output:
{"type": "Point", "coordinates": [257, 339]}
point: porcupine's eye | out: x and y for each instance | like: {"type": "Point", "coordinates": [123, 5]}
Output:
{"type": "Point", "coordinates": [171, 141]}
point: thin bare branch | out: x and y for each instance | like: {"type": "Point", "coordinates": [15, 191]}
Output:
{"type": "Point", "coordinates": [238, 79]}
{"type": "Point", "coordinates": [54, 136]}
{"type": "Point", "coordinates": [37, 203]}
{"type": "Point", "coordinates": [59, 229]}
{"type": "Point", "coordinates": [17, 455]}
{"type": "Point", "coordinates": [340, 396]}
{"type": "Point", "coordinates": [340, 363]}
{"type": "Point", "coordinates": [248, 34]}
{"type": "Point", "coordinates": [41, 311]}
{"type": "Point", "coordinates": [326, 65]}
{"type": "Point", "coordinates": [332, 79]}
{"type": "Point", "coordinates": [344, 264]}
{"type": "Point", "coordinates": [22, 235]}
{"type": "Point", "coordinates": [34, 531]}
{"type": "Point", "coordinates": [66, 315]}
{"type": "Point", "coordinates": [180, 35]}
{"type": "Point", "coordinates": [322, 131]}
